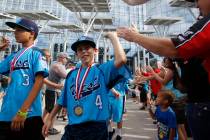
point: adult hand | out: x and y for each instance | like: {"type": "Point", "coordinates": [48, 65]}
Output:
{"type": "Point", "coordinates": [140, 79]}
{"type": "Point", "coordinates": [150, 69]}
{"type": "Point", "coordinates": [18, 123]}
{"type": "Point", "coordinates": [135, 2]}
{"type": "Point", "coordinates": [4, 44]}
{"type": "Point", "coordinates": [128, 34]}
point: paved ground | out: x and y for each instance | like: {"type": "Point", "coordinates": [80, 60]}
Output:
{"type": "Point", "coordinates": [137, 125]}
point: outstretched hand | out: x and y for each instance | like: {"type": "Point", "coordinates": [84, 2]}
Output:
{"type": "Point", "coordinates": [4, 44]}
{"type": "Point", "coordinates": [135, 2]}
{"type": "Point", "coordinates": [128, 34]}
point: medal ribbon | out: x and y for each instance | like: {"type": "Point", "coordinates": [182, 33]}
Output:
{"type": "Point", "coordinates": [15, 59]}
{"type": "Point", "coordinates": [78, 91]}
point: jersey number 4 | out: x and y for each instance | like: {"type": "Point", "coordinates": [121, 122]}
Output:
{"type": "Point", "coordinates": [98, 101]}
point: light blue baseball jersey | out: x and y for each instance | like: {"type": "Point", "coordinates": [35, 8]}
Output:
{"type": "Point", "coordinates": [120, 87]}
{"type": "Point", "coordinates": [116, 105]}
{"type": "Point", "coordinates": [31, 63]}
{"type": "Point", "coordinates": [94, 100]}
{"type": "Point", "coordinates": [175, 91]}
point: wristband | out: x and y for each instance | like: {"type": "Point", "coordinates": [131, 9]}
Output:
{"type": "Point", "coordinates": [22, 114]}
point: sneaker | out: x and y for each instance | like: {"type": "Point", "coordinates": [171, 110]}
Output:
{"type": "Point", "coordinates": [118, 137]}
{"type": "Point", "coordinates": [53, 131]}
{"type": "Point", "coordinates": [111, 134]}
{"type": "Point", "coordinates": [155, 122]}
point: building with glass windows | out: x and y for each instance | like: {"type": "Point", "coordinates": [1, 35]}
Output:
{"type": "Point", "coordinates": [63, 21]}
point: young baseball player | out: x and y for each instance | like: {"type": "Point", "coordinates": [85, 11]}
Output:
{"type": "Point", "coordinates": [20, 114]}
{"type": "Point", "coordinates": [86, 90]}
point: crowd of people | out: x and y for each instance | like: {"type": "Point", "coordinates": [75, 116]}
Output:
{"type": "Point", "coordinates": [92, 96]}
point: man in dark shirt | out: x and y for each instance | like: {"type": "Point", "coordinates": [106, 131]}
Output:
{"type": "Point", "coordinates": [193, 48]}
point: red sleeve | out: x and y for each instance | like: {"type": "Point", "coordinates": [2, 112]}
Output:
{"type": "Point", "coordinates": [145, 74]}
{"type": "Point", "coordinates": [198, 45]}
{"type": "Point", "coordinates": [195, 41]}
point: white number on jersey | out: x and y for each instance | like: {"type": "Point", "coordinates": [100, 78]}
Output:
{"type": "Point", "coordinates": [26, 80]}
{"type": "Point", "coordinates": [98, 101]}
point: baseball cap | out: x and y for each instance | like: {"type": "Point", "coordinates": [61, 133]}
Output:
{"type": "Point", "coordinates": [25, 24]}
{"type": "Point", "coordinates": [63, 54]}
{"type": "Point", "coordinates": [83, 39]}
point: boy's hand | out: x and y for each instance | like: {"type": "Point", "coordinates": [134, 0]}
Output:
{"type": "Point", "coordinates": [4, 44]}
{"type": "Point", "coordinates": [18, 123]}
{"type": "Point", "coordinates": [110, 34]}
{"type": "Point", "coordinates": [46, 127]}
{"type": "Point", "coordinates": [117, 95]}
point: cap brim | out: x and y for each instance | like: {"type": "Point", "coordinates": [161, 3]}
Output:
{"type": "Point", "coordinates": [190, 0]}
{"type": "Point", "coordinates": [14, 25]}
{"type": "Point", "coordinates": [76, 44]}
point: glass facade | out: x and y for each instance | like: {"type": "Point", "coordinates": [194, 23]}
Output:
{"type": "Point", "coordinates": [121, 13]}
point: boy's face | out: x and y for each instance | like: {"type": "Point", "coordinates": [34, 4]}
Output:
{"type": "Point", "coordinates": [86, 53]}
{"type": "Point", "coordinates": [22, 35]}
{"type": "Point", "coordinates": [160, 99]}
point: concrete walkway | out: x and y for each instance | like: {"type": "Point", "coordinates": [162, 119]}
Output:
{"type": "Point", "coordinates": [137, 125]}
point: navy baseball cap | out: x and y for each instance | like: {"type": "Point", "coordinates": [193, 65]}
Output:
{"type": "Point", "coordinates": [81, 40]}
{"type": "Point", "coordinates": [25, 24]}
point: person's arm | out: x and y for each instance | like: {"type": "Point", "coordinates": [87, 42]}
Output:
{"type": "Point", "coordinates": [160, 46]}
{"type": "Point", "coordinates": [18, 120]}
{"type": "Point", "coordinates": [163, 80]}
{"type": "Point", "coordinates": [52, 84]}
{"type": "Point", "coordinates": [151, 113]}
{"type": "Point", "coordinates": [119, 54]}
{"type": "Point", "coordinates": [50, 119]}
{"type": "Point", "coordinates": [172, 133]}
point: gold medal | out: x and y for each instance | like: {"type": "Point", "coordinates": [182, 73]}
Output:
{"type": "Point", "coordinates": [78, 110]}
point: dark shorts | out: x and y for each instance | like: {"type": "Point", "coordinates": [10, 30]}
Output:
{"type": "Point", "coordinates": [86, 131]}
{"type": "Point", "coordinates": [49, 100]}
{"type": "Point", "coordinates": [180, 111]}
{"type": "Point", "coordinates": [143, 95]}
{"type": "Point", "coordinates": [32, 130]}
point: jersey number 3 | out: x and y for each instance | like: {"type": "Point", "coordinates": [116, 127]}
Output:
{"type": "Point", "coordinates": [98, 101]}
{"type": "Point", "coordinates": [26, 80]}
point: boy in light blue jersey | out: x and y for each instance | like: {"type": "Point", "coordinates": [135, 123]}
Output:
{"type": "Point", "coordinates": [85, 93]}
{"type": "Point", "coordinates": [117, 108]}
{"type": "Point", "coordinates": [20, 114]}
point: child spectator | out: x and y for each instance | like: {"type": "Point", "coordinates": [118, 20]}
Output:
{"type": "Point", "coordinates": [167, 129]}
